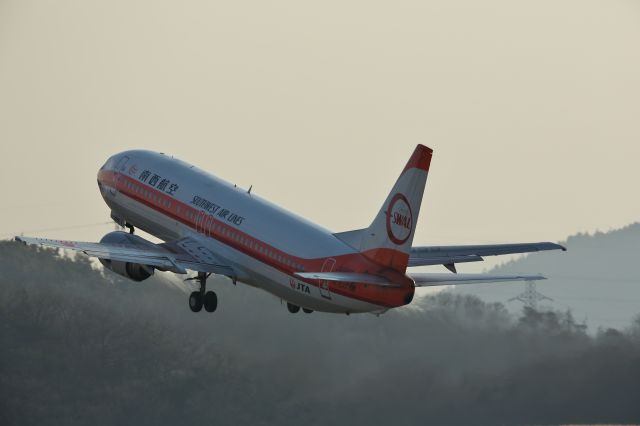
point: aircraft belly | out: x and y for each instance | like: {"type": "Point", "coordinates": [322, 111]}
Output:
{"type": "Point", "coordinates": [146, 218]}
{"type": "Point", "coordinates": [257, 274]}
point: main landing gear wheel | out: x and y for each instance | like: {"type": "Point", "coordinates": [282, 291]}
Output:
{"type": "Point", "coordinates": [294, 309]}
{"type": "Point", "coordinates": [210, 301]}
{"type": "Point", "coordinates": [306, 311]}
{"type": "Point", "coordinates": [202, 297]}
{"type": "Point", "coordinates": [195, 301]}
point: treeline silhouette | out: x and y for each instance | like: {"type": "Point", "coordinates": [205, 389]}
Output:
{"type": "Point", "coordinates": [81, 346]}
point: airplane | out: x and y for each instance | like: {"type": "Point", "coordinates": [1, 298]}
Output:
{"type": "Point", "coordinates": [210, 226]}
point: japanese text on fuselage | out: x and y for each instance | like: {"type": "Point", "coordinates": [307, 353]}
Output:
{"type": "Point", "coordinates": [158, 182]}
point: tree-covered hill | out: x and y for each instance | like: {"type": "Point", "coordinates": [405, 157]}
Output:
{"type": "Point", "coordinates": [79, 346]}
{"type": "Point", "coordinates": [598, 278]}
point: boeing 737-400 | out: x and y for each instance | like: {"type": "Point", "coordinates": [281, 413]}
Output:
{"type": "Point", "coordinates": [212, 227]}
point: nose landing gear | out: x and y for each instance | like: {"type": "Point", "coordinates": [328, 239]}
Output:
{"type": "Point", "coordinates": [201, 297]}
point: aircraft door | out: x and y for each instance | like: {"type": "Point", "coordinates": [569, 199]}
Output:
{"type": "Point", "coordinates": [200, 222]}
{"type": "Point", "coordinates": [327, 266]}
{"type": "Point", "coordinates": [208, 225]}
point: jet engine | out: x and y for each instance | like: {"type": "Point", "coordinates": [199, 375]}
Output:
{"type": "Point", "coordinates": [133, 271]}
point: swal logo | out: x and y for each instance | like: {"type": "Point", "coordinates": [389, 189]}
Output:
{"type": "Point", "coordinates": [399, 219]}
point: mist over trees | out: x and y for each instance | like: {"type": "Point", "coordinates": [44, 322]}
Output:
{"type": "Point", "coordinates": [83, 346]}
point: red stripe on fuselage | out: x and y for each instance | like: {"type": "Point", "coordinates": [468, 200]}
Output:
{"type": "Point", "coordinates": [208, 225]}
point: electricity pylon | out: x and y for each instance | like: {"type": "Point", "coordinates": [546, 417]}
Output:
{"type": "Point", "coordinates": [530, 297]}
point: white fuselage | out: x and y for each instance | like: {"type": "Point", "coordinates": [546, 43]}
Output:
{"type": "Point", "coordinates": [263, 243]}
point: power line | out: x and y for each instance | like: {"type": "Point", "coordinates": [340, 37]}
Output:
{"type": "Point", "coordinates": [64, 228]}
{"type": "Point", "coordinates": [591, 278]}
{"type": "Point", "coordinates": [494, 292]}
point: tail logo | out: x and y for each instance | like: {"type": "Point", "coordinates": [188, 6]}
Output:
{"type": "Point", "coordinates": [399, 219]}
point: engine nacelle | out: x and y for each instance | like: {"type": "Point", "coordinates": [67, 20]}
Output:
{"type": "Point", "coordinates": [133, 271]}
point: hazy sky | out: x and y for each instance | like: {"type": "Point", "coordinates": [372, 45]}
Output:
{"type": "Point", "coordinates": [532, 108]}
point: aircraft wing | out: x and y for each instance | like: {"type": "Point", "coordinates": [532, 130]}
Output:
{"type": "Point", "coordinates": [176, 256]}
{"type": "Point", "coordinates": [450, 255]}
{"type": "Point", "coordinates": [429, 280]}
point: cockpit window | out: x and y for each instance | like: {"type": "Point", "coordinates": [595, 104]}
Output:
{"type": "Point", "coordinates": [122, 164]}
{"type": "Point", "coordinates": [116, 164]}
{"type": "Point", "coordinates": [109, 164]}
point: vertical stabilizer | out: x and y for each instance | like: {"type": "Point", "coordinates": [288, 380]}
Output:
{"type": "Point", "coordinates": [388, 240]}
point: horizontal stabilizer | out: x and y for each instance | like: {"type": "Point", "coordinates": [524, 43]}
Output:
{"type": "Point", "coordinates": [350, 277]}
{"type": "Point", "coordinates": [442, 255]}
{"type": "Point", "coordinates": [443, 260]}
{"type": "Point", "coordinates": [428, 280]}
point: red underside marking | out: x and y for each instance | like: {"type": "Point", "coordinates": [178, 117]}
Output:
{"type": "Point", "coordinates": [213, 227]}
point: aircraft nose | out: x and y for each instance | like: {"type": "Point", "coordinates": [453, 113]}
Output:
{"type": "Point", "coordinates": [108, 164]}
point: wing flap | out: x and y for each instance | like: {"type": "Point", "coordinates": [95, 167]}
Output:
{"type": "Point", "coordinates": [158, 262]}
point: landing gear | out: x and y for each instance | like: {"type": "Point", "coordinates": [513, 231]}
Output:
{"type": "Point", "coordinates": [195, 301]}
{"type": "Point", "coordinates": [202, 297]}
{"type": "Point", "coordinates": [122, 222]}
{"type": "Point", "coordinates": [294, 309]}
{"type": "Point", "coordinates": [210, 301]}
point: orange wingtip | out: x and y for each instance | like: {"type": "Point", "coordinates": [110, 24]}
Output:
{"type": "Point", "coordinates": [420, 159]}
